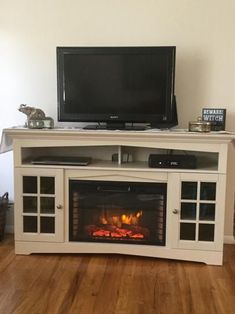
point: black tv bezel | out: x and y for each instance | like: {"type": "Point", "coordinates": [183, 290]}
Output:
{"type": "Point", "coordinates": [169, 119]}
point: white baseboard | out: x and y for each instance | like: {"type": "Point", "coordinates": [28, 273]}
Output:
{"type": "Point", "coordinates": [229, 239]}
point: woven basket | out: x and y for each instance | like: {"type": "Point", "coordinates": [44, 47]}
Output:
{"type": "Point", "coordinates": [3, 208]}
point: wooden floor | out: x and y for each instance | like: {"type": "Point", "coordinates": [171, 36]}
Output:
{"type": "Point", "coordinates": [101, 284]}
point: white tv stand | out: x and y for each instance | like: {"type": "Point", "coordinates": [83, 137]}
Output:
{"type": "Point", "coordinates": [194, 224]}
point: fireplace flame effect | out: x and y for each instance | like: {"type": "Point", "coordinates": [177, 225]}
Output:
{"type": "Point", "coordinates": [123, 226]}
{"type": "Point", "coordinates": [127, 219]}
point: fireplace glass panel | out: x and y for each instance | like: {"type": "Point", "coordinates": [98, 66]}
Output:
{"type": "Point", "coordinates": [127, 212]}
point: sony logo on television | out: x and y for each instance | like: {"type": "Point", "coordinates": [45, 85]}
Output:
{"type": "Point", "coordinates": [113, 117]}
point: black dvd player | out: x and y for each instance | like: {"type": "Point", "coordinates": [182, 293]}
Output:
{"type": "Point", "coordinates": [172, 161]}
{"type": "Point", "coordinates": [62, 160]}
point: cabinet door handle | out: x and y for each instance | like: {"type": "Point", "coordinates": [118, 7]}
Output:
{"type": "Point", "coordinates": [175, 211]}
{"type": "Point", "coordinates": [59, 206]}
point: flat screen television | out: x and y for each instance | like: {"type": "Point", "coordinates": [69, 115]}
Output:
{"type": "Point", "coordinates": [117, 87]}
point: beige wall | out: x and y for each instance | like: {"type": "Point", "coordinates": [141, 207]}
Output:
{"type": "Point", "coordinates": [203, 32]}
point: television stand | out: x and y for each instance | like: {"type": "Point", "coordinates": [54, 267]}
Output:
{"type": "Point", "coordinates": [116, 126]}
{"type": "Point", "coordinates": [51, 199]}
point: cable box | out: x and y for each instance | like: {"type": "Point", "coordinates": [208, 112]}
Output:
{"type": "Point", "coordinates": [61, 160]}
{"type": "Point", "coordinates": [172, 161]}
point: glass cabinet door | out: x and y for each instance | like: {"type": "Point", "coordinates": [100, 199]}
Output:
{"type": "Point", "coordinates": [197, 211]}
{"type": "Point", "coordinates": [38, 204]}
{"type": "Point", "coordinates": [40, 212]}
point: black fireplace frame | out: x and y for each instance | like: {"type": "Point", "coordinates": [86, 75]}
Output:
{"type": "Point", "coordinates": [148, 188]}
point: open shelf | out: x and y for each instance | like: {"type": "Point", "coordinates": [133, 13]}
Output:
{"type": "Point", "coordinates": [117, 157]}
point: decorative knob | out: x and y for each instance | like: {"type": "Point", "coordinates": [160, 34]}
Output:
{"type": "Point", "coordinates": [175, 211]}
{"type": "Point", "coordinates": [59, 206]}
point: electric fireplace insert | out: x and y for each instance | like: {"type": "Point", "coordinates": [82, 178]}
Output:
{"type": "Point", "coordinates": [117, 212]}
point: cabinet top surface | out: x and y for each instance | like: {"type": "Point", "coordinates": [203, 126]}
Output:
{"type": "Point", "coordinates": [18, 132]}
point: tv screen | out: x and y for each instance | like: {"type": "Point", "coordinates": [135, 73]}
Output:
{"type": "Point", "coordinates": [117, 85]}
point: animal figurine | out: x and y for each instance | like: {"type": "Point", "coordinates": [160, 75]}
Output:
{"type": "Point", "coordinates": [31, 112]}
{"type": "Point", "coordinates": [36, 118]}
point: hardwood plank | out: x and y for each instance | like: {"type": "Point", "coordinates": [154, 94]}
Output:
{"type": "Point", "coordinates": [113, 284]}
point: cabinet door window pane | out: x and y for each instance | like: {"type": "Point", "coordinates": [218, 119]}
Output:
{"type": "Point", "coordinates": [29, 184]}
{"type": "Point", "coordinates": [189, 190]}
{"type": "Point", "coordinates": [30, 224]}
{"type": "Point", "coordinates": [47, 205]}
{"type": "Point", "coordinates": [207, 212]}
{"type": "Point", "coordinates": [188, 211]}
{"type": "Point", "coordinates": [206, 232]}
{"type": "Point", "coordinates": [47, 185]}
{"type": "Point", "coordinates": [208, 190]}
{"type": "Point", "coordinates": [29, 204]}
{"type": "Point", "coordinates": [187, 231]}
{"type": "Point", "coordinates": [47, 225]}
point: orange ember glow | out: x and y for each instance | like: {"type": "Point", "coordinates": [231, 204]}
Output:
{"type": "Point", "coordinates": [123, 226]}
{"type": "Point", "coordinates": [117, 233]}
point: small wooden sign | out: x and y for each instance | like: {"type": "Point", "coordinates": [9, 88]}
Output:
{"type": "Point", "coordinates": [216, 116]}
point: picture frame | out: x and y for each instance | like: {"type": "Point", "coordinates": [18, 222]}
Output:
{"type": "Point", "coordinates": [216, 116]}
